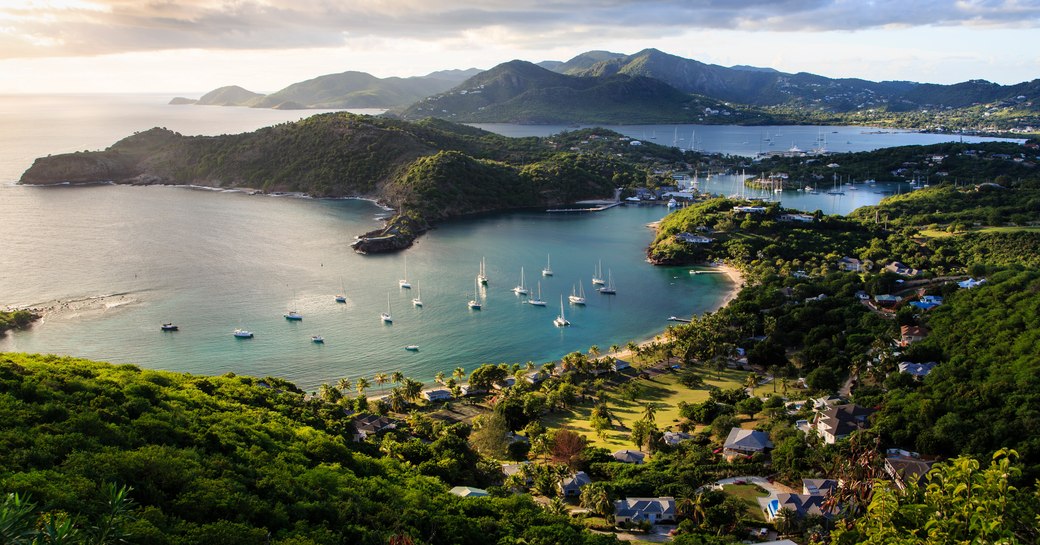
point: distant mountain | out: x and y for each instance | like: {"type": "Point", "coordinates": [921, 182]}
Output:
{"type": "Point", "coordinates": [767, 87]}
{"type": "Point", "coordinates": [522, 92]}
{"type": "Point", "coordinates": [344, 90]}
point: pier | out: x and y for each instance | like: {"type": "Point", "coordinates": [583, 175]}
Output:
{"type": "Point", "coordinates": [591, 209]}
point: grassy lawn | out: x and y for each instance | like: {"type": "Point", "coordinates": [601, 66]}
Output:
{"type": "Point", "coordinates": [664, 390]}
{"type": "Point", "coordinates": [748, 494]}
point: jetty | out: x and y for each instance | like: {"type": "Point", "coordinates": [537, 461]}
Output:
{"type": "Point", "coordinates": [599, 208]}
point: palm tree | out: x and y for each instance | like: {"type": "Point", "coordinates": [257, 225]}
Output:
{"type": "Point", "coordinates": [750, 381]}
{"type": "Point", "coordinates": [594, 497]}
{"type": "Point", "coordinates": [381, 379]}
{"type": "Point", "coordinates": [362, 385]}
{"type": "Point", "coordinates": [649, 411]}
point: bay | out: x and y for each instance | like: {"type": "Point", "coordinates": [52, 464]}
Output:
{"type": "Point", "coordinates": [111, 263]}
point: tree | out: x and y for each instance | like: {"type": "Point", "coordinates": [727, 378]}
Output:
{"type": "Point", "coordinates": [649, 411]}
{"type": "Point", "coordinates": [594, 497]}
{"type": "Point", "coordinates": [750, 406]}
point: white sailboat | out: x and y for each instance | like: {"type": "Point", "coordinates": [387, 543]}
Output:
{"type": "Point", "coordinates": [561, 320]}
{"type": "Point", "coordinates": [386, 317]}
{"type": "Point", "coordinates": [547, 271]}
{"type": "Point", "coordinates": [577, 298]}
{"type": "Point", "coordinates": [474, 303]}
{"type": "Point", "coordinates": [482, 275]}
{"type": "Point", "coordinates": [597, 276]}
{"type": "Point", "coordinates": [417, 300]}
{"type": "Point", "coordinates": [404, 281]}
{"type": "Point", "coordinates": [537, 301]}
{"type": "Point", "coordinates": [521, 289]}
{"type": "Point", "coordinates": [609, 288]}
{"type": "Point", "coordinates": [293, 314]}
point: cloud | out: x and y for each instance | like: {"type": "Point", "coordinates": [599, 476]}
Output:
{"type": "Point", "coordinates": [94, 27]}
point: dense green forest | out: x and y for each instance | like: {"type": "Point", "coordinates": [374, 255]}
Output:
{"type": "Point", "coordinates": [235, 460]}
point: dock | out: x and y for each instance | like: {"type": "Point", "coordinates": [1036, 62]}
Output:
{"type": "Point", "coordinates": [592, 209]}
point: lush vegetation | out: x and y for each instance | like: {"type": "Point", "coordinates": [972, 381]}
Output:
{"type": "Point", "coordinates": [234, 460]}
{"type": "Point", "coordinates": [15, 319]}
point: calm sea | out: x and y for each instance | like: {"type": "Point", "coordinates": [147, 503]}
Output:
{"type": "Point", "coordinates": [112, 263]}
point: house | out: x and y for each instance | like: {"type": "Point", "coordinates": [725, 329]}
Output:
{"type": "Point", "coordinates": [910, 334]}
{"type": "Point", "coordinates": [917, 370]}
{"type": "Point", "coordinates": [629, 456]}
{"type": "Point", "coordinates": [514, 469]}
{"type": "Point", "coordinates": [802, 505]}
{"type": "Point", "coordinates": [471, 390]}
{"type": "Point", "coordinates": [691, 238]}
{"type": "Point", "coordinates": [901, 269]}
{"type": "Point", "coordinates": [970, 283]}
{"type": "Point", "coordinates": [905, 467]}
{"type": "Point", "coordinates": [886, 300]}
{"type": "Point", "coordinates": [468, 492]}
{"type": "Point", "coordinates": [652, 510]}
{"type": "Point", "coordinates": [818, 487]}
{"type": "Point", "coordinates": [370, 424]}
{"type": "Point", "coordinates": [437, 395]}
{"type": "Point", "coordinates": [850, 264]}
{"type": "Point", "coordinates": [673, 438]}
{"type": "Point", "coordinates": [571, 485]}
{"type": "Point", "coordinates": [741, 442]}
{"type": "Point", "coordinates": [839, 421]}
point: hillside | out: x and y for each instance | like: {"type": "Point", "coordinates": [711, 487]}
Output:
{"type": "Point", "coordinates": [235, 460]}
{"type": "Point", "coordinates": [429, 171]}
{"type": "Point", "coordinates": [521, 92]}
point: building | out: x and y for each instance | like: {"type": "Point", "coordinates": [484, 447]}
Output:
{"type": "Point", "coordinates": [839, 421]}
{"type": "Point", "coordinates": [437, 395]}
{"type": "Point", "coordinates": [629, 456]}
{"type": "Point", "coordinates": [917, 370]}
{"type": "Point", "coordinates": [673, 438]}
{"type": "Point", "coordinates": [905, 467]}
{"type": "Point", "coordinates": [802, 505]}
{"type": "Point", "coordinates": [819, 487]}
{"type": "Point", "coordinates": [571, 485]}
{"type": "Point", "coordinates": [910, 334]}
{"type": "Point", "coordinates": [468, 492]}
{"type": "Point", "coordinates": [652, 510]}
{"type": "Point", "coordinates": [741, 442]}
{"type": "Point", "coordinates": [370, 424]}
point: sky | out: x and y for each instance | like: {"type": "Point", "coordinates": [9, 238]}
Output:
{"type": "Point", "coordinates": [193, 46]}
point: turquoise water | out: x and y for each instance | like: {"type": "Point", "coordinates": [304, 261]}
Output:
{"type": "Point", "coordinates": [112, 263]}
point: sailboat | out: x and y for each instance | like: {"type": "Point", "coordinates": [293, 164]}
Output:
{"type": "Point", "coordinates": [547, 271]}
{"type": "Point", "coordinates": [404, 281]}
{"type": "Point", "coordinates": [537, 301]}
{"type": "Point", "coordinates": [417, 300]}
{"type": "Point", "coordinates": [386, 317]}
{"type": "Point", "coordinates": [561, 320]}
{"type": "Point", "coordinates": [474, 303]}
{"type": "Point", "coordinates": [597, 276]}
{"type": "Point", "coordinates": [482, 275]}
{"type": "Point", "coordinates": [609, 288]}
{"type": "Point", "coordinates": [577, 298]}
{"type": "Point", "coordinates": [521, 289]}
{"type": "Point", "coordinates": [293, 315]}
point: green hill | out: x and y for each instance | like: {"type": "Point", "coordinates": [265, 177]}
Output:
{"type": "Point", "coordinates": [429, 171]}
{"type": "Point", "coordinates": [236, 460]}
{"type": "Point", "coordinates": [521, 92]}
